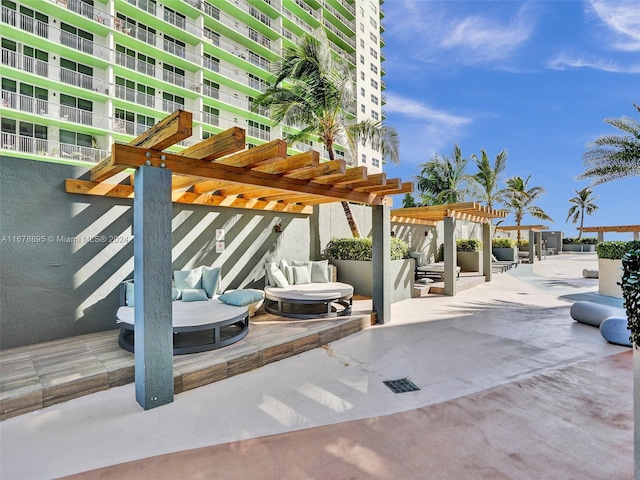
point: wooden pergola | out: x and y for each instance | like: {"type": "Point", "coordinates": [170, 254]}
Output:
{"type": "Point", "coordinates": [533, 230]}
{"type": "Point", "coordinates": [449, 213]}
{"type": "Point", "coordinates": [219, 171]}
{"type": "Point", "coordinates": [635, 229]}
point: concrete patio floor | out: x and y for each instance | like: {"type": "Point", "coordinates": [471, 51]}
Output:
{"type": "Point", "coordinates": [510, 387]}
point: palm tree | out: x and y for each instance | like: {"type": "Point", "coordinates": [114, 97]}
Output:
{"type": "Point", "coordinates": [311, 91]}
{"type": "Point", "coordinates": [408, 201]}
{"type": "Point", "coordinates": [614, 156]}
{"type": "Point", "coordinates": [520, 200]}
{"type": "Point", "coordinates": [442, 179]}
{"type": "Point", "coordinates": [582, 203]}
{"type": "Point", "coordinates": [486, 180]}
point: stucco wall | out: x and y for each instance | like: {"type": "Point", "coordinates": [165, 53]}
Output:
{"type": "Point", "coordinates": [52, 287]}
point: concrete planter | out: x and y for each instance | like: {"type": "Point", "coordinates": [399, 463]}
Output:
{"type": "Point", "coordinates": [359, 274]}
{"type": "Point", "coordinates": [573, 248]}
{"type": "Point", "coordinates": [609, 274]}
{"type": "Point", "coordinates": [506, 254]}
{"type": "Point", "coordinates": [470, 261]}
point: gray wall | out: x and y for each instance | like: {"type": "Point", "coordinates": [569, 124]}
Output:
{"type": "Point", "coordinates": [52, 288]}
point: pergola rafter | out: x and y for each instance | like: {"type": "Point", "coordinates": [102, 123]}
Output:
{"type": "Point", "coordinates": [220, 171]}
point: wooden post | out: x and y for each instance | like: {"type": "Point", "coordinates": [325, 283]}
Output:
{"type": "Point", "coordinates": [450, 261]}
{"type": "Point", "coordinates": [532, 241]}
{"type": "Point", "coordinates": [152, 287]}
{"type": "Point", "coordinates": [381, 257]}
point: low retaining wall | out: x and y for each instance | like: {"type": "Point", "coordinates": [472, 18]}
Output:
{"type": "Point", "coordinates": [609, 274]}
{"type": "Point", "coordinates": [359, 274]}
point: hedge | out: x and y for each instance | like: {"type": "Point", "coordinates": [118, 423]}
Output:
{"type": "Point", "coordinates": [579, 241]}
{"type": "Point", "coordinates": [616, 249]}
{"type": "Point", "coordinates": [361, 249]}
{"type": "Point", "coordinates": [504, 243]}
{"type": "Point", "coordinates": [468, 245]}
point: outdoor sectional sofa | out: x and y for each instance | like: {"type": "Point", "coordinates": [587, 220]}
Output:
{"type": "Point", "coordinates": [300, 289]}
{"type": "Point", "coordinates": [202, 319]}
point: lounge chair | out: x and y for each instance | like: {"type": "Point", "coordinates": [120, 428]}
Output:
{"type": "Point", "coordinates": [433, 270]}
{"type": "Point", "coordinates": [502, 265]}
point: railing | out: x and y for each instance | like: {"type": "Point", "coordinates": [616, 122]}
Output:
{"type": "Point", "coordinates": [339, 16]}
{"type": "Point", "coordinates": [130, 128]}
{"type": "Point", "coordinates": [339, 33]}
{"type": "Point", "coordinates": [210, 91]}
{"type": "Point", "coordinates": [260, 62]}
{"type": "Point", "coordinates": [210, 119]}
{"type": "Point", "coordinates": [24, 63]}
{"type": "Point", "coordinates": [257, 133]}
{"type": "Point", "coordinates": [133, 63]}
{"type": "Point", "coordinates": [48, 109]}
{"type": "Point", "coordinates": [74, 41]}
{"type": "Point", "coordinates": [174, 48]}
{"type": "Point", "coordinates": [170, 107]}
{"type": "Point", "coordinates": [298, 21]}
{"type": "Point", "coordinates": [174, 19]}
{"type": "Point", "coordinates": [135, 96]}
{"type": "Point", "coordinates": [307, 9]}
{"type": "Point", "coordinates": [210, 64]}
{"type": "Point", "coordinates": [135, 31]}
{"type": "Point", "coordinates": [174, 78]}
{"type": "Point", "coordinates": [27, 23]}
{"type": "Point", "coordinates": [43, 147]}
{"type": "Point", "coordinates": [81, 80]}
{"type": "Point", "coordinates": [145, 5]}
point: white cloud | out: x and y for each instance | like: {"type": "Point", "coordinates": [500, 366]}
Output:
{"type": "Point", "coordinates": [412, 108]}
{"type": "Point", "coordinates": [622, 17]}
{"type": "Point", "coordinates": [565, 62]}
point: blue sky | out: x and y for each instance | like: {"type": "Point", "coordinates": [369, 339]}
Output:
{"type": "Point", "coordinates": [536, 78]}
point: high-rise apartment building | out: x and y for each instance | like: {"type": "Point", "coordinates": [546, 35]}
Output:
{"type": "Point", "coordinates": [79, 75]}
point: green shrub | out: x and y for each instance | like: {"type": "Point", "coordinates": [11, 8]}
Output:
{"type": "Point", "coordinates": [361, 249]}
{"type": "Point", "coordinates": [468, 245]}
{"type": "Point", "coordinates": [615, 250]}
{"type": "Point", "coordinates": [440, 254]}
{"type": "Point", "coordinates": [523, 243]}
{"type": "Point", "coordinates": [631, 292]}
{"type": "Point", "coordinates": [504, 243]}
{"type": "Point", "coordinates": [579, 241]}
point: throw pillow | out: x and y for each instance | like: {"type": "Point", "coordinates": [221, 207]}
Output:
{"type": "Point", "coordinates": [188, 278]}
{"type": "Point", "coordinates": [240, 298]}
{"type": "Point", "coordinates": [421, 258]}
{"type": "Point", "coordinates": [300, 263]}
{"type": "Point", "coordinates": [320, 271]}
{"type": "Point", "coordinates": [210, 280]}
{"type": "Point", "coordinates": [194, 295]}
{"type": "Point", "coordinates": [301, 275]}
{"type": "Point", "coordinates": [278, 277]}
{"type": "Point", "coordinates": [175, 294]}
{"type": "Point", "coordinates": [267, 270]}
{"type": "Point", "coordinates": [128, 294]}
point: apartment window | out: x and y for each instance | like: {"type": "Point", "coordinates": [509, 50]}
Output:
{"type": "Point", "coordinates": [137, 30]}
{"type": "Point", "coordinates": [76, 73]}
{"type": "Point", "coordinates": [174, 46]}
{"type": "Point", "coordinates": [75, 138]}
{"type": "Point", "coordinates": [257, 83]}
{"type": "Point", "coordinates": [362, 75]}
{"type": "Point", "coordinates": [374, 83]}
{"type": "Point", "coordinates": [77, 110]}
{"type": "Point", "coordinates": [261, 110]}
{"type": "Point", "coordinates": [211, 62]}
{"type": "Point", "coordinates": [361, 43]}
{"type": "Point", "coordinates": [362, 27]}
{"type": "Point", "coordinates": [259, 38]}
{"type": "Point", "coordinates": [373, 52]}
{"type": "Point", "coordinates": [364, 158]}
{"type": "Point", "coordinates": [374, 99]}
{"type": "Point", "coordinates": [258, 15]}
{"type": "Point", "coordinates": [362, 59]}
{"type": "Point", "coordinates": [375, 162]}
{"type": "Point", "coordinates": [373, 6]}
{"type": "Point", "coordinates": [32, 99]}
{"type": "Point", "coordinates": [374, 68]}
{"type": "Point", "coordinates": [373, 37]}
{"type": "Point", "coordinates": [374, 115]}
{"type": "Point", "coordinates": [30, 20]}
{"type": "Point", "coordinates": [32, 139]}
{"type": "Point", "coordinates": [135, 60]}
{"type": "Point", "coordinates": [211, 115]}
{"type": "Point", "coordinates": [76, 38]}
{"type": "Point", "coordinates": [373, 22]}
{"type": "Point", "coordinates": [135, 92]}
{"type": "Point", "coordinates": [363, 108]}
{"type": "Point", "coordinates": [173, 75]}
{"type": "Point", "coordinates": [171, 103]}
{"type": "Point", "coordinates": [361, 11]}
{"type": "Point", "coordinates": [362, 92]}
{"type": "Point", "coordinates": [175, 18]}
{"type": "Point", "coordinates": [212, 36]}
{"type": "Point", "coordinates": [259, 61]}
{"type": "Point", "coordinates": [259, 130]}
{"type": "Point", "coordinates": [211, 89]}
{"type": "Point", "coordinates": [206, 134]}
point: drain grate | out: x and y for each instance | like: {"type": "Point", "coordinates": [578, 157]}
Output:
{"type": "Point", "coordinates": [401, 385]}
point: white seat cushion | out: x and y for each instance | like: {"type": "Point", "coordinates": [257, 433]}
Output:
{"type": "Point", "coordinates": [311, 291]}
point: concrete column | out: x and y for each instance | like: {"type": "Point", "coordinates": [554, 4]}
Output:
{"type": "Point", "coordinates": [636, 236]}
{"type": "Point", "coordinates": [381, 256]}
{"type": "Point", "coordinates": [539, 246]}
{"type": "Point", "coordinates": [450, 260]}
{"type": "Point", "coordinates": [486, 252]}
{"type": "Point", "coordinates": [600, 237]}
{"type": "Point", "coordinates": [152, 287]}
{"type": "Point", "coordinates": [636, 412]}
{"type": "Point", "coordinates": [532, 253]}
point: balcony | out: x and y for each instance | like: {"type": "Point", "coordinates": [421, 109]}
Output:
{"type": "Point", "coordinates": [145, 5]}
{"type": "Point", "coordinates": [134, 96]}
{"type": "Point", "coordinates": [130, 128]}
{"type": "Point", "coordinates": [135, 31]}
{"type": "Point", "coordinates": [257, 133]}
{"type": "Point", "coordinates": [307, 9]}
{"type": "Point", "coordinates": [298, 21]}
{"type": "Point", "coordinates": [48, 148]}
{"type": "Point", "coordinates": [24, 22]}
{"type": "Point", "coordinates": [339, 33]}
{"type": "Point", "coordinates": [170, 107]}
{"type": "Point", "coordinates": [210, 119]}
{"type": "Point", "coordinates": [44, 108]}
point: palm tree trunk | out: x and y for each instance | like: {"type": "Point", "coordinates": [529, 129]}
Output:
{"type": "Point", "coordinates": [351, 220]}
{"type": "Point", "coordinates": [581, 223]}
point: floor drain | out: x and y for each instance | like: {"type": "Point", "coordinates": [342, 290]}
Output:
{"type": "Point", "coordinates": [401, 385]}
